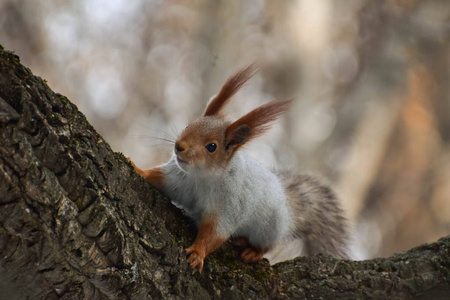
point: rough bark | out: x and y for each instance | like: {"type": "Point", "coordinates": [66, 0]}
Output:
{"type": "Point", "coordinates": [77, 222]}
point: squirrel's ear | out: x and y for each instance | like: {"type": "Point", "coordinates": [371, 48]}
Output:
{"type": "Point", "coordinates": [231, 86]}
{"type": "Point", "coordinates": [236, 137]}
{"type": "Point", "coordinates": [253, 124]}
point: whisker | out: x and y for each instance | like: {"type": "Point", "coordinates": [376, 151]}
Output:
{"type": "Point", "coordinates": [164, 139]}
{"type": "Point", "coordinates": [174, 129]}
{"type": "Point", "coordinates": [160, 146]}
{"type": "Point", "coordinates": [158, 131]}
{"type": "Point", "coordinates": [165, 134]}
{"type": "Point", "coordinates": [171, 141]}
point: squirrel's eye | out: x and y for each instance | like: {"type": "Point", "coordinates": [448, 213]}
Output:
{"type": "Point", "coordinates": [211, 147]}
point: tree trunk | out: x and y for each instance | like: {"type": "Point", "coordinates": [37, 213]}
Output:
{"type": "Point", "coordinates": [77, 222]}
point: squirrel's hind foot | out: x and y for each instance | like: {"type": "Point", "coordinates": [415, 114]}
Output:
{"type": "Point", "coordinates": [252, 254]}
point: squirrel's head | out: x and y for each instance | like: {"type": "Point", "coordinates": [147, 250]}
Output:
{"type": "Point", "coordinates": [208, 143]}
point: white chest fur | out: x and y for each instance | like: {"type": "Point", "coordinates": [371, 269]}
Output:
{"type": "Point", "coordinates": [246, 198]}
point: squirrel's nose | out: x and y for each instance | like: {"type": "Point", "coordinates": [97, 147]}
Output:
{"type": "Point", "coordinates": [178, 148]}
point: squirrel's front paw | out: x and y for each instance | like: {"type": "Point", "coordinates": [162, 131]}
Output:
{"type": "Point", "coordinates": [138, 170]}
{"type": "Point", "coordinates": [195, 258]}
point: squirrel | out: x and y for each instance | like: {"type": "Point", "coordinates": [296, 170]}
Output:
{"type": "Point", "coordinates": [230, 195]}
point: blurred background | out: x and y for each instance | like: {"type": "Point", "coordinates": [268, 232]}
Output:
{"type": "Point", "coordinates": [370, 79]}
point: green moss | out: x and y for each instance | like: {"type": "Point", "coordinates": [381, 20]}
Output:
{"type": "Point", "coordinates": [260, 275]}
{"type": "Point", "coordinates": [60, 97]}
{"type": "Point", "coordinates": [9, 56]}
{"type": "Point", "coordinates": [1, 47]}
{"type": "Point", "coordinates": [348, 269]}
{"type": "Point", "coordinates": [228, 261]}
{"type": "Point", "coordinates": [178, 242]}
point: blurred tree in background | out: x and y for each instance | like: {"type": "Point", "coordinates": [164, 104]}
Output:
{"type": "Point", "coordinates": [371, 82]}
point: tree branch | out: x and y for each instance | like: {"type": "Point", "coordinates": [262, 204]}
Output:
{"type": "Point", "coordinates": [77, 222]}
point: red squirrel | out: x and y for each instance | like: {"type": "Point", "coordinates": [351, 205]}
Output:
{"type": "Point", "coordinates": [230, 195]}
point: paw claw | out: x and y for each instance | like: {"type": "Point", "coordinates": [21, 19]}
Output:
{"type": "Point", "coordinates": [195, 259]}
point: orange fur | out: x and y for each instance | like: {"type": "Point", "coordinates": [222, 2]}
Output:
{"type": "Point", "coordinates": [254, 124]}
{"type": "Point", "coordinates": [231, 86]}
{"type": "Point", "coordinates": [206, 242]}
{"type": "Point", "coordinates": [154, 176]}
{"type": "Point", "coordinates": [199, 134]}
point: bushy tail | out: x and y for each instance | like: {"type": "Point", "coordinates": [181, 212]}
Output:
{"type": "Point", "coordinates": [316, 217]}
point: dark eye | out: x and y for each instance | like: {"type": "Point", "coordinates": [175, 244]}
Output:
{"type": "Point", "coordinates": [211, 147]}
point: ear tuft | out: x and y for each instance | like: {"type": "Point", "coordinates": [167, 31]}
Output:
{"type": "Point", "coordinates": [231, 86]}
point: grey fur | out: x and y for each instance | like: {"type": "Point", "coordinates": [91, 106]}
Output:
{"type": "Point", "coordinates": [317, 218]}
